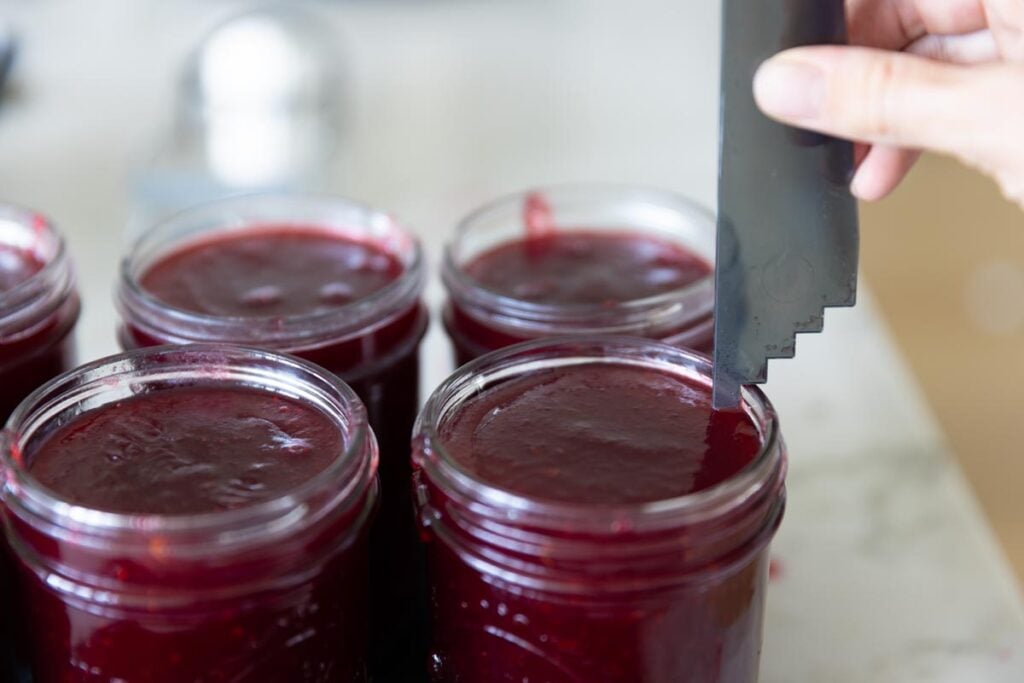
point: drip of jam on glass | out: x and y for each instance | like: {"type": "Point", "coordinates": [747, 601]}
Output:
{"type": "Point", "coordinates": [16, 266]}
{"type": "Point", "coordinates": [271, 272]}
{"type": "Point", "coordinates": [600, 435]}
{"type": "Point", "coordinates": [586, 267]}
{"type": "Point", "coordinates": [300, 614]}
{"type": "Point", "coordinates": [538, 217]}
{"type": "Point", "coordinates": [185, 451]}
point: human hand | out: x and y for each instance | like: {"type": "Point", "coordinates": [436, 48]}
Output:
{"type": "Point", "coordinates": [942, 75]}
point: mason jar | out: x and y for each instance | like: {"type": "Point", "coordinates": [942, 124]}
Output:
{"type": "Point", "coordinates": [581, 259]}
{"type": "Point", "coordinates": [200, 575]}
{"type": "Point", "coordinates": [573, 531]}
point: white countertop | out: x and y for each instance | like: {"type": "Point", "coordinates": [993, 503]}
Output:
{"type": "Point", "coordinates": [887, 573]}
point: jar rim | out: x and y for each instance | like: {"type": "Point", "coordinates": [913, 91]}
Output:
{"type": "Point", "coordinates": [356, 465]}
{"type": "Point", "coordinates": [691, 301]}
{"type": "Point", "coordinates": [270, 211]}
{"type": "Point", "coordinates": [652, 516]}
{"type": "Point", "coordinates": [39, 295]}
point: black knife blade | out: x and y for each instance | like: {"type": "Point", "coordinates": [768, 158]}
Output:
{"type": "Point", "coordinates": [787, 224]}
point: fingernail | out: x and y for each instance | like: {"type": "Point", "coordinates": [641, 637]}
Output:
{"type": "Point", "coordinates": [789, 89]}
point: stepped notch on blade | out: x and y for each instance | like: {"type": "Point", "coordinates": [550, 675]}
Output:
{"type": "Point", "coordinates": [787, 224]}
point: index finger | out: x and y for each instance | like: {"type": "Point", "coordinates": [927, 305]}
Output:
{"type": "Point", "coordinates": [895, 24]}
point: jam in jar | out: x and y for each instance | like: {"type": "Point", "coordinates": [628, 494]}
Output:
{"type": "Point", "coordinates": [328, 280]}
{"type": "Point", "coordinates": [589, 517]}
{"type": "Point", "coordinates": [192, 513]}
{"type": "Point", "coordinates": [589, 259]}
{"type": "Point", "coordinates": [39, 307]}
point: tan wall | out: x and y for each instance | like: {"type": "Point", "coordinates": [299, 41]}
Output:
{"type": "Point", "coordinates": [945, 257]}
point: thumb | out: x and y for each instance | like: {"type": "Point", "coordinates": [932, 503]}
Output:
{"type": "Point", "coordinates": [895, 99]}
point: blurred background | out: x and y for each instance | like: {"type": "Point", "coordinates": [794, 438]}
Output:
{"type": "Point", "coordinates": [119, 111]}
{"type": "Point", "coordinates": [944, 258]}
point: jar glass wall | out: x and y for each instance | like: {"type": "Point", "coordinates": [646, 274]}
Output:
{"type": "Point", "coordinates": [272, 590]}
{"type": "Point", "coordinates": [540, 587]}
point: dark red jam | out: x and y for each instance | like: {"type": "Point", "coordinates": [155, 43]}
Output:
{"type": "Point", "coordinates": [185, 451]}
{"type": "Point", "coordinates": [335, 284]}
{"type": "Point", "coordinates": [237, 550]}
{"type": "Point", "coordinates": [271, 271]}
{"type": "Point", "coordinates": [584, 267]}
{"type": "Point", "coordinates": [583, 260]}
{"type": "Point", "coordinates": [601, 436]}
{"type": "Point", "coordinates": [580, 520]}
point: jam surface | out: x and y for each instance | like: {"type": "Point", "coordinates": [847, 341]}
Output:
{"type": "Point", "coordinates": [186, 450]}
{"type": "Point", "coordinates": [271, 271]}
{"type": "Point", "coordinates": [600, 435]}
{"type": "Point", "coordinates": [586, 267]}
{"type": "Point", "coordinates": [16, 266]}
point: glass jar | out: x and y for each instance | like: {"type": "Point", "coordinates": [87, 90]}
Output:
{"type": "Point", "coordinates": [372, 343]}
{"type": "Point", "coordinates": [670, 591]}
{"type": "Point", "coordinates": [274, 590]}
{"type": "Point", "coordinates": [479, 319]}
{"type": "Point", "coordinates": [38, 313]}
{"type": "Point", "coordinates": [39, 307]}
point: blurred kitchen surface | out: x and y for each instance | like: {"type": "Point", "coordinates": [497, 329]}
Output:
{"type": "Point", "coordinates": [443, 104]}
{"type": "Point", "coordinates": [945, 259]}
{"type": "Point", "coordinates": [97, 82]}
